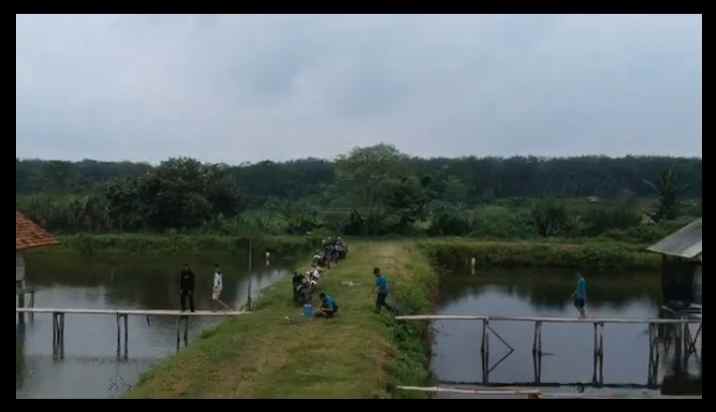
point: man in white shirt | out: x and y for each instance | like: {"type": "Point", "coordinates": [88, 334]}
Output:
{"type": "Point", "coordinates": [218, 287]}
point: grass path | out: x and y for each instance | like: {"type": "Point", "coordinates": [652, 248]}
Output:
{"type": "Point", "coordinates": [358, 354]}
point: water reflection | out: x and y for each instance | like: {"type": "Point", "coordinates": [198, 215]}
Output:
{"type": "Point", "coordinates": [90, 367]}
{"type": "Point", "coordinates": [568, 349]}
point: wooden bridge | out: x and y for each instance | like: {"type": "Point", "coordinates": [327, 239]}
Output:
{"type": "Point", "coordinates": [58, 323]}
{"type": "Point", "coordinates": [685, 344]}
{"type": "Point", "coordinates": [517, 393]}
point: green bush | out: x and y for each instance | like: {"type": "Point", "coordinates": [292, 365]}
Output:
{"type": "Point", "coordinates": [449, 221]}
{"type": "Point", "coordinates": [550, 218]}
{"type": "Point", "coordinates": [501, 223]}
{"type": "Point", "coordinates": [455, 254]}
{"type": "Point", "coordinates": [600, 220]}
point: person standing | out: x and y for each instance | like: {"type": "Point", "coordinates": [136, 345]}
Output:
{"type": "Point", "coordinates": [580, 295]}
{"type": "Point", "coordinates": [218, 287]}
{"type": "Point", "coordinates": [186, 287]}
{"type": "Point", "coordinates": [381, 288]}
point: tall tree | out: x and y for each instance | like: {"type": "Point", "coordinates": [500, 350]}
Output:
{"type": "Point", "coordinates": [667, 190]}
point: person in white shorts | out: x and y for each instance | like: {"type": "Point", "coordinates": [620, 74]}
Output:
{"type": "Point", "coordinates": [218, 287]}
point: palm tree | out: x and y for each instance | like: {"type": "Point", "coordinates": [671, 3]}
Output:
{"type": "Point", "coordinates": [667, 189]}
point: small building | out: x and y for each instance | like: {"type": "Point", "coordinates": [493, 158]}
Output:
{"type": "Point", "coordinates": [28, 235]}
{"type": "Point", "coordinates": [681, 267]}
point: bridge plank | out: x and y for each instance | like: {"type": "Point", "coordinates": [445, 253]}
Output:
{"type": "Point", "coordinates": [132, 312]}
{"type": "Point", "coordinates": [546, 320]}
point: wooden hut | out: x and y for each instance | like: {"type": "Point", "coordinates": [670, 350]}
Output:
{"type": "Point", "coordinates": [28, 235]}
{"type": "Point", "coordinates": [681, 267]}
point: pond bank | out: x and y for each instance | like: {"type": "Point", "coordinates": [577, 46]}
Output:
{"type": "Point", "coordinates": [274, 352]}
{"type": "Point", "coordinates": [598, 255]}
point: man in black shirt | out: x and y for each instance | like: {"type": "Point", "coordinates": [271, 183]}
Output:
{"type": "Point", "coordinates": [186, 287]}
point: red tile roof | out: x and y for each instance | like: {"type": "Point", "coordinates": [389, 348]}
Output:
{"type": "Point", "coordinates": [29, 235]}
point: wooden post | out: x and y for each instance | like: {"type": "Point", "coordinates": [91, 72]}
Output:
{"type": "Point", "coordinates": [539, 339]}
{"type": "Point", "coordinates": [539, 353]}
{"type": "Point", "coordinates": [21, 304]}
{"type": "Point", "coordinates": [677, 346]}
{"type": "Point", "coordinates": [651, 380]}
{"type": "Point", "coordinates": [54, 335]}
{"type": "Point", "coordinates": [119, 334]}
{"type": "Point", "coordinates": [482, 351]}
{"type": "Point", "coordinates": [32, 304]}
{"type": "Point", "coordinates": [485, 352]}
{"type": "Point", "coordinates": [596, 355]}
{"type": "Point", "coordinates": [178, 329]}
{"type": "Point", "coordinates": [126, 336]}
{"type": "Point", "coordinates": [62, 335]}
{"type": "Point", "coordinates": [685, 343]}
{"type": "Point", "coordinates": [601, 353]}
{"type": "Point", "coordinates": [701, 352]}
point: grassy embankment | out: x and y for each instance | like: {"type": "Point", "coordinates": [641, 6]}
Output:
{"type": "Point", "coordinates": [357, 354]}
{"type": "Point", "coordinates": [594, 255]}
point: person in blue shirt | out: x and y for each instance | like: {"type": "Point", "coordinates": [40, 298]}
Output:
{"type": "Point", "coordinates": [381, 288]}
{"type": "Point", "coordinates": [580, 295]}
{"type": "Point", "coordinates": [328, 306]}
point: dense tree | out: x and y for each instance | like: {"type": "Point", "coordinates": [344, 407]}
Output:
{"type": "Point", "coordinates": [369, 190]}
{"type": "Point", "coordinates": [550, 218]}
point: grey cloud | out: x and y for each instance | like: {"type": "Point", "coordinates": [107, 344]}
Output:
{"type": "Point", "coordinates": [237, 88]}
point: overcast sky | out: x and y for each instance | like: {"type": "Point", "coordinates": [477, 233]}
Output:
{"type": "Point", "coordinates": [248, 88]}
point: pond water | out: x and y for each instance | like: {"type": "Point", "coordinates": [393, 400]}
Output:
{"type": "Point", "coordinates": [568, 348]}
{"type": "Point", "coordinates": [90, 368]}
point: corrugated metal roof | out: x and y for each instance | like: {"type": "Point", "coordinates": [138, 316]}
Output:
{"type": "Point", "coordinates": [685, 243]}
{"type": "Point", "coordinates": [29, 235]}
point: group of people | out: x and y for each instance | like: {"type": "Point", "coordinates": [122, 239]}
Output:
{"type": "Point", "coordinates": [187, 284]}
{"type": "Point", "coordinates": [306, 284]}
{"type": "Point", "coordinates": [331, 252]}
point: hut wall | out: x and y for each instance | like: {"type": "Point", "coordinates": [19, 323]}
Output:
{"type": "Point", "coordinates": [697, 284]}
{"type": "Point", "coordinates": [678, 280]}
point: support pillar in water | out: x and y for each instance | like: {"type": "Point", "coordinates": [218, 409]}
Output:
{"type": "Point", "coordinates": [537, 352]}
{"type": "Point", "coordinates": [58, 335]}
{"type": "Point", "coordinates": [485, 351]}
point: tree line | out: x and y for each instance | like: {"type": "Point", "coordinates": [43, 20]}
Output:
{"type": "Point", "coordinates": [378, 188]}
